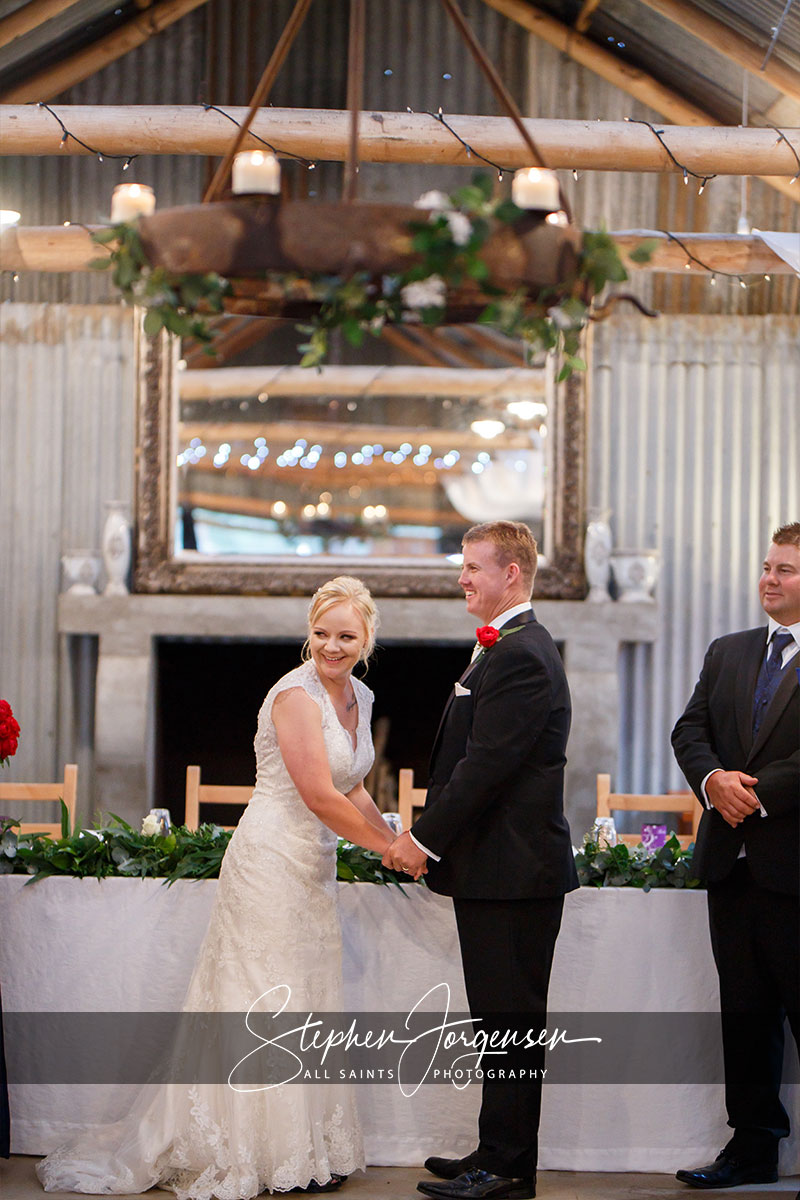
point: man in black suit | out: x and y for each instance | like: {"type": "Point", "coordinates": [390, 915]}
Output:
{"type": "Point", "coordinates": [494, 837]}
{"type": "Point", "coordinates": [738, 744]}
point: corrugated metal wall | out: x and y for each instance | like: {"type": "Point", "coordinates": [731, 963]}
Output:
{"type": "Point", "coordinates": [695, 448]}
{"type": "Point", "coordinates": [67, 418]}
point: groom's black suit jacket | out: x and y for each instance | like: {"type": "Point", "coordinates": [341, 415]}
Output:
{"type": "Point", "coordinates": [494, 808]}
{"type": "Point", "coordinates": [716, 731]}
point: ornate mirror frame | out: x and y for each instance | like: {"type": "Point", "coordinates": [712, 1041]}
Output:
{"type": "Point", "coordinates": [158, 569]}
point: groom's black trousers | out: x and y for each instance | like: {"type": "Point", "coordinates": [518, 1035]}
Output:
{"type": "Point", "coordinates": [507, 951]}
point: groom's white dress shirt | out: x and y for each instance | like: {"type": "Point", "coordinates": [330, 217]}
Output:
{"type": "Point", "coordinates": [497, 623]}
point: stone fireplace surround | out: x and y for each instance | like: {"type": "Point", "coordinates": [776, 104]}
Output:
{"type": "Point", "coordinates": [128, 628]}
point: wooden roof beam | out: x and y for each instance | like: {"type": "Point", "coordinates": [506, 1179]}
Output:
{"type": "Point", "coordinates": [584, 17]}
{"type": "Point", "coordinates": [354, 382]}
{"type": "Point", "coordinates": [627, 78]}
{"type": "Point", "coordinates": [235, 335]}
{"type": "Point", "coordinates": [52, 81]}
{"type": "Point", "coordinates": [402, 340]}
{"type": "Point", "coordinates": [398, 137]}
{"type": "Point", "coordinates": [27, 18]}
{"type": "Point", "coordinates": [59, 248]}
{"type": "Point", "coordinates": [728, 43]}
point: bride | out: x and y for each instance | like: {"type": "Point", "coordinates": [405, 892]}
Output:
{"type": "Point", "coordinates": [274, 922]}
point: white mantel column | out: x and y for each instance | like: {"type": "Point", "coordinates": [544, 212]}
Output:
{"type": "Point", "coordinates": [123, 728]}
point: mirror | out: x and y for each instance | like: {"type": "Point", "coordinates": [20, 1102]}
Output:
{"type": "Point", "coordinates": [270, 480]}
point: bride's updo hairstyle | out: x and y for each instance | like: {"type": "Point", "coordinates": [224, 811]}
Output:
{"type": "Point", "coordinates": [345, 589]}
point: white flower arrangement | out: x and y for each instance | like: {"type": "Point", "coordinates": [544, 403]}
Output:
{"type": "Point", "coordinates": [427, 293]}
{"type": "Point", "coordinates": [151, 825]}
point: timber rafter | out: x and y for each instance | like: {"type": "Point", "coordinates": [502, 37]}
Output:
{"type": "Point", "coordinates": [621, 74]}
{"type": "Point", "coordinates": [56, 248]}
{"type": "Point", "coordinates": [400, 137]}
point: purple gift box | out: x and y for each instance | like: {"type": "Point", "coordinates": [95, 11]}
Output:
{"type": "Point", "coordinates": [654, 836]}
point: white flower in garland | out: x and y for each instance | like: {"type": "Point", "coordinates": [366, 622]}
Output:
{"type": "Point", "coordinates": [460, 227]}
{"type": "Point", "coordinates": [426, 293]}
{"type": "Point", "coordinates": [434, 200]}
{"type": "Point", "coordinates": [150, 825]}
{"type": "Point", "coordinates": [562, 320]}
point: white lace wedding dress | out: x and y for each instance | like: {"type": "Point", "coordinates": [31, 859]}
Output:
{"type": "Point", "coordinates": [274, 921]}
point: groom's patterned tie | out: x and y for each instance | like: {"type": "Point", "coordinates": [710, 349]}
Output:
{"type": "Point", "coordinates": [769, 677]}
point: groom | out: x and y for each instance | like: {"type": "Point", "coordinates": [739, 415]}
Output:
{"type": "Point", "coordinates": [494, 837]}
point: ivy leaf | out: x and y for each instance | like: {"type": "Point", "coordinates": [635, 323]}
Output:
{"type": "Point", "coordinates": [508, 212]}
{"type": "Point", "coordinates": [644, 251]}
{"type": "Point", "coordinates": [153, 322]}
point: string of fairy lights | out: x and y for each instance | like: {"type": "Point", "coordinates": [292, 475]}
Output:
{"type": "Point", "coordinates": [703, 178]}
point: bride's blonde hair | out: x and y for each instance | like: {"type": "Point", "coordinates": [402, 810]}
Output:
{"type": "Point", "coordinates": [345, 589]}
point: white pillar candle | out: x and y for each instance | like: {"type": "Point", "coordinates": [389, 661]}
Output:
{"type": "Point", "coordinates": [535, 188]}
{"type": "Point", "coordinates": [131, 200]}
{"type": "Point", "coordinates": [255, 171]}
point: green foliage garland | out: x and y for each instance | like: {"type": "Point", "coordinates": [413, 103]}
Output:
{"type": "Point", "coordinates": [448, 244]}
{"type": "Point", "coordinates": [118, 849]}
{"type": "Point", "coordinates": [621, 866]}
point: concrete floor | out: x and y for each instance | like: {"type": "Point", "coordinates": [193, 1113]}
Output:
{"type": "Point", "coordinates": [18, 1182]}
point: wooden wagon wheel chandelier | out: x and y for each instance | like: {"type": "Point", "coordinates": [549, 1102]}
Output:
{"type": "Point", "coordinates": [519, 258]}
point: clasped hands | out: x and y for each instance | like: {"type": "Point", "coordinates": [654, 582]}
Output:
{"type": "Point", "coordinates": [731, 793]}
{"type": "Point", "coordinates": [405, 855]}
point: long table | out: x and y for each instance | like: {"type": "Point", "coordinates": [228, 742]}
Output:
{"type": "Point", "coordinates": [128, 945]}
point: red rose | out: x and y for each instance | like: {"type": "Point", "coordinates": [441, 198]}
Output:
{"type": "Point", "coordinates": [8, 746]}
{"type": "Point", "coordinates": [487, 635]}
{"type": "Point", "coordinates": [9, 732]}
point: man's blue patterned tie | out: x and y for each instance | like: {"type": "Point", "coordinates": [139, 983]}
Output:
{"type": "Point", "coordinates": [769, 677]}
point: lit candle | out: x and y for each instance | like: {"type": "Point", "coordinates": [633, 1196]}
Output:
{"type": "Point", "coordinates": [255, 171]}
{"type": "Point", "coordinates": [131, 200]}
{"type": "Point", "coordinates": [536, 189]}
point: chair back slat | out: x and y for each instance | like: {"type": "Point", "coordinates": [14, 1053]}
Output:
{"type": "Point", "coordinates": [198, 793]}
{"type": "Point", "coordinates": [684, 804]}
{"type": "Point", "coordinates": [65, 789]}
{"type": "Point", "coordinates": [409, 798]}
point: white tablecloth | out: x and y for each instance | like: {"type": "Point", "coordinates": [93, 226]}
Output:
{"type": "Point", "coordinates": [129, 945]}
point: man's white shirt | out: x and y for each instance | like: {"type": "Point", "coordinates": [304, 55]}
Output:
{"type": "Point", "coordinates": [789, 653]}
{"type": "Point", "coordinates": [497, 623]}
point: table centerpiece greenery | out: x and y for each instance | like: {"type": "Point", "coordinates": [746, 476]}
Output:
{"type": "Point", "coordinates": [117, 849]}
{"type": "Point", "coordinates": [623, 866]}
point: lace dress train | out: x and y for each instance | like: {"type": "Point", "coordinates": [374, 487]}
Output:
{"type": "Point", "coordinates": [274, 922]}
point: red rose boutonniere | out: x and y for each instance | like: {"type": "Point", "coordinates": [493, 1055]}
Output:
{"type": "Point", "coordinates": [9, 732]}
{"type": "Point", "coordinates": [487, 635]}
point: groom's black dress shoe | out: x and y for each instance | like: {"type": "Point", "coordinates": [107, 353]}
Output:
{"type": "Point", "coordinates": [476, 1184]}
{"type": "Point", "coordinates": [451, 1168]}
{"type": "Point", "coordinates": [728, 1171]}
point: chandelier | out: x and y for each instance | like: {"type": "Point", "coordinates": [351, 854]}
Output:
{"type": "Point", "coordinates": [246, 249]}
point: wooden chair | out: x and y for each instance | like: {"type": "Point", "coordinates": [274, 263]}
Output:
{"type": "Point", "coordinates": [409, 797]}
{"type": "Point", "coordinates": [685, 804]}
{"type": "Point", "coordinates": [198, 793]}
{"type": "Point", "coordinates": [14, 794]}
